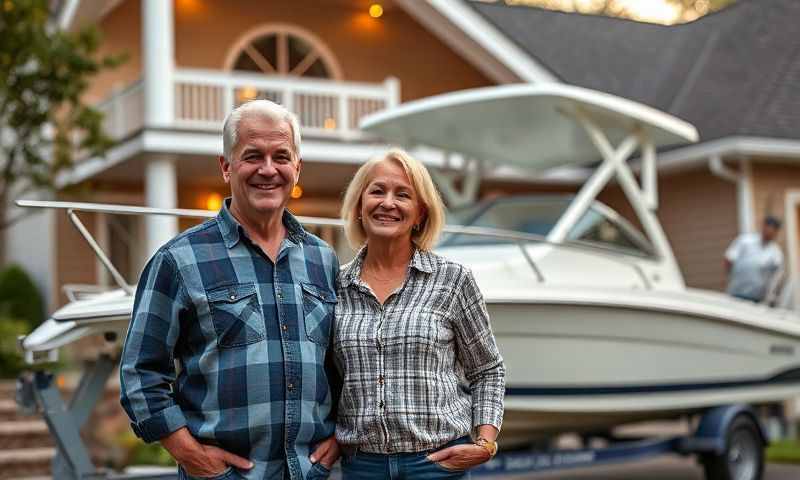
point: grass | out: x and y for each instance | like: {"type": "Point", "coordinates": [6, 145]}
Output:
{"type": "Point", "coordinates": [786, 451]}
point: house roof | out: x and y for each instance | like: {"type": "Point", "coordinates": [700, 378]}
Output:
{"type": "Point", "coordinates": [732, 73]}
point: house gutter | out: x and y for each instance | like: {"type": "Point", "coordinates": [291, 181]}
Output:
{"type": "Point", "coordinates": [744, 190]}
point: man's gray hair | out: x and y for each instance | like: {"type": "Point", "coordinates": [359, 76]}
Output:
{"type": "Point", "coordinates": [257, 108]}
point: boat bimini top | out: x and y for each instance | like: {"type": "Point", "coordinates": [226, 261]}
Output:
{"type": "Point", "coordinates": [533, 126]}
{"type": "Point", "coordinates": [541, 126]}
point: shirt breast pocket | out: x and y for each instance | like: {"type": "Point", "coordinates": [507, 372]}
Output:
{"type": "Point", "coordinates": [236, 314]}
{"type": "Point", "coordinates": [318, 309]}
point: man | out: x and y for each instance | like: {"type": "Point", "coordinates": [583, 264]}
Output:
{"type": "Point", "coordinates": [225, 362]}
{"type": "Point", "coordinates": [754, 261]}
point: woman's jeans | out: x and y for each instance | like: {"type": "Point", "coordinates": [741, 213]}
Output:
{"type": "Point", "coordinates": [397, 466]}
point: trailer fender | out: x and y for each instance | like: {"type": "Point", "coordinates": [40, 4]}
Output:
{"type": "Point", "coordinates": [711, 433]}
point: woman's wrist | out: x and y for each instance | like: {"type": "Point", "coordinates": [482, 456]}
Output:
{"type": "Point", "coordinates": [489, 446]}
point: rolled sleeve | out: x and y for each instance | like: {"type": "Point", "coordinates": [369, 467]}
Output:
{"type": "Point", "coordinates": [478, 353]}
{"type": "Point", "coordinates": [160, 425]}
{"type": "Point", "coordinates": [147, 369]}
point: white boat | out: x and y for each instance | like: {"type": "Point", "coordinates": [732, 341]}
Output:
{"type": "Point", "coordinates": [593, 318]}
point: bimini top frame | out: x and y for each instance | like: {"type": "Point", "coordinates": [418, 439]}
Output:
{"type": "Point", "coordinates": [542, 126]}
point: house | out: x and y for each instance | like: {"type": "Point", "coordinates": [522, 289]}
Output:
{"type": "Point", "coordinates": [335, 61]}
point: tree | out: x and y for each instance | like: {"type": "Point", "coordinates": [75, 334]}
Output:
{"type": "Point", "coordinates": [44, 125]}
{"type": "Point", "coordinates": [659, 11]}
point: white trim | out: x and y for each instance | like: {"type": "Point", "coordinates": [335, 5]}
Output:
{"type": "Point", "coordinates": [791, 205]}
{"type": "Point", "coordinates": [431, 13]}
{"type": "Point", "coordinates": [91, 167]}
{"type": "Point", "coordinates": [744, 189]}
{"type": "Point", "coordinates": [692, 155]}
{"type": "Point", "coordinates": [78, 13]}
{"type": "Point", "coordinates": [67, 15]}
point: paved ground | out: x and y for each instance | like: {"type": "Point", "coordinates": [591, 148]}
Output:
{"type": "Point", "coordinates": [667, 468]}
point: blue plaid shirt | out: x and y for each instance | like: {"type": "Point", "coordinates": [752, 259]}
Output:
{"type": "Point", "coordinates": [234, 347]}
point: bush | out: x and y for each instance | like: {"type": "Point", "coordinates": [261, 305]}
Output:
{"type": "Point", "coordinates": [140, 453]}
{"type": "Point", "coordinates": [11, 362]}
{"type": "Point", "coordinates": [19, 297]}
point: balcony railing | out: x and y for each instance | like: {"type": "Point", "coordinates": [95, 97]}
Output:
{"type": "Point", "coordinates": [203, 98]}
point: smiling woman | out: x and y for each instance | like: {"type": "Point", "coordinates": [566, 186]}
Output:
{"type": "Point", "coordinates": [408, 323]}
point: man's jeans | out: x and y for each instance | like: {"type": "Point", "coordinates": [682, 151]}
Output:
{"type": "Point", "coordinates": [399, 466]}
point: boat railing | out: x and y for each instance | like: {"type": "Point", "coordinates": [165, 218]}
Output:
{"type": "Point", "coordinates": [520, 239]}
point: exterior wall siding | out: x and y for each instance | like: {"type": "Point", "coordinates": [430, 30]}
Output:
{"type": "Point", "coordinates": [121, 33]}
{"type": "Point", "coordinates": [771, 182]}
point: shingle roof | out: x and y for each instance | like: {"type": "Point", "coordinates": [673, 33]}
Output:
{"type": "Point", "coordinates": [734, 72]}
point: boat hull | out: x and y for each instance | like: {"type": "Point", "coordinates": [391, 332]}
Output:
{"type": "Point", "coordinates": [590, 367]}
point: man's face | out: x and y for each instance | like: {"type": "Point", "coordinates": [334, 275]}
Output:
{"type": "Point", "coordinates": [263, 167]}
{"type": "Point", "coordinates": [769, 232]}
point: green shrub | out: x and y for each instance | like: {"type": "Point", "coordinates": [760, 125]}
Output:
{"type": "Point", "coordinates": [140, 453]}
{"type": "Point", "coordinates": [11, 362]}
{"type": "Point", "coordinates": [19, 297]}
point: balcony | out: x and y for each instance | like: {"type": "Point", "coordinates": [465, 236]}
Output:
{"type": "Point", "coordinates": [326, 109]}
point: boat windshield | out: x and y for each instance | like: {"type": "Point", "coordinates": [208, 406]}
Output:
{"type": "Point", "coordinates": [600, 226]}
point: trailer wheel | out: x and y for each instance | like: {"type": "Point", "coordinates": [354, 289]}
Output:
{"type": "Point", "coordinates": [743, 458]}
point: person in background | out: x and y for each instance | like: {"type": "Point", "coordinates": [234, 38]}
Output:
{"type": "Point", "coordinates": [754, 262]}
{"type": "Point", "coordinates": [225, 359]}
{"type": "Point", "coordinates": [410, 326]}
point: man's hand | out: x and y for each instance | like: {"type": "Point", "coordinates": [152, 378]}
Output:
{"type": "Point", "coordinates": [201, 460]}
{"type": "Point", "coordinates": [460, 457]}
{"type": "Point", "coordinates": [326, 453]}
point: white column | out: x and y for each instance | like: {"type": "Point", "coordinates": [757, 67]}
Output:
{"type": "Point", "coordinates": [158, 47]}
{"type": "Point", "coordinates": [161, 191]}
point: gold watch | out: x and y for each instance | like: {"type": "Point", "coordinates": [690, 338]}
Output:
{"type": "Point", "coordinates": [489, 445]}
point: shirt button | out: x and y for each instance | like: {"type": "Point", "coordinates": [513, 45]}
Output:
{"type": "Point", "coordinates": [380, 380]}
{"type": "Point", "coordinates": [381, 405]}
{"type": "Point", "coordinates": [284, 327]}
{"type": "Point", "coordinates": [290, 386]}
{"type": "Point", "coordinates": [233, 297]}
{"type": "Point", "coordinates": [280, 296]}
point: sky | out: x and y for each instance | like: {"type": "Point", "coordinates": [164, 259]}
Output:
{"type": "Point", "coordinates": [655, 11]}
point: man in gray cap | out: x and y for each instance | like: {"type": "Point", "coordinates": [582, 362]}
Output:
{"type": "Point", "coordinates": [754, 261]}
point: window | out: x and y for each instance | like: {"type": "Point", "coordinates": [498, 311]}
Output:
{"type": "Point", "coordinates": [283, 50]}
{"type": "Point", "coordinates": [597, 228]}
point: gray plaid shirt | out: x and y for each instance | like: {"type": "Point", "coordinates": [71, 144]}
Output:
{"type": "Point", "coordinates": [404, 361]}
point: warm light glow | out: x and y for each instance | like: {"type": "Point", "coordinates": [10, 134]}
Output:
{"type": "Point", "coordinates": [297, 191]}
{"type": "Point", "coordinates": [190, 6]}
{"type": "Point", "coordinates": [246, 94]}
{"type": "Point", "coordinates": [329, 124]}
{"type": "Point", "coordinates": [213, 201]}
{"type": "Point", "coordinates": [376, 10]}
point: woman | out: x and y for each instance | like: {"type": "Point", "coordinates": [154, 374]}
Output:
{"type": "Point", "coordinates": [409, 326]}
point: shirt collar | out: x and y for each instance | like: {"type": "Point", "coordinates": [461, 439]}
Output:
{"type": "Point", "coordinates": [232, 230]}
{"type": "Point", "coordinates": [422, 261]}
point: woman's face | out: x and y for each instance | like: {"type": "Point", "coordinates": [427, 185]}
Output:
{"type": "Point", "coordinates": [390, 207]}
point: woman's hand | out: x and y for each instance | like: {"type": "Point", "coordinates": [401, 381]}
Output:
{"type": "Point", "coordinates": [460, 457]}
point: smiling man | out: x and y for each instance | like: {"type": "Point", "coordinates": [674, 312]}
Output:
{"type": "Point", "coordinates": [226, 361]}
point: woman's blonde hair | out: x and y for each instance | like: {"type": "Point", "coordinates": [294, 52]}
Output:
{"type": "Point", "coordinates": [431, 226]}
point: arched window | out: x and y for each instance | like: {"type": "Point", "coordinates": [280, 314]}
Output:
{"type": "Point", "coordinates": [280, 49]}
